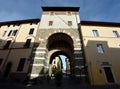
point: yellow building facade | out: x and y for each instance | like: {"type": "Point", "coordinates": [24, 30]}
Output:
{"type": "Point", "coordinates": [16, 42]}
{"type": "Point", "coordinates": [101, 42]}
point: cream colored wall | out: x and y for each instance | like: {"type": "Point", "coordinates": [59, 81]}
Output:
{"type": "Point", "coordinates": [5, 38]}
{"type": "Point", "coordinates": [15, 56]}
{"type": "Point", "coordinates": [4, 53]}
{"type": "Point", "coordinates": [95, 59]}
{"type": "Point", "coordinates": [59, 21]}
{"type": "Point", "coordinates": [18, 51]}
{"type": "Point", "coordinates": [24, 34]}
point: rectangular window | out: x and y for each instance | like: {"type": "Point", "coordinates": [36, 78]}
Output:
{"type": "Point", "coordinates": [1, 61]}
{"type": "Point", "coordinates": [4, 33]}
{"type": "Point", "coordinates": [10, 33]}
{"type": "Point", "coordinates": [27, 44]}
{"type": "Point", "coordinates": [116, 34]}
{"type": "Point", "coordinates": [50, 23]}
{"type": "Point", "coordinates": [7, 44]}
{"type": "Point", "coordinates": [100, 48]}
{"type": "Point", "coordinates": [69, 23]}
{"type": "Point", "coordinates": [14, 32]}
{"type": "Point", "coordinates": [21, 64]}
{"type": "Point", "coordinates": [31, 31]}
{"type": "Point", "coordinates": [95, 33]}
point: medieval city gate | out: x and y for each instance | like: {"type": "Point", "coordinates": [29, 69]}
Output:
{"type": "Point", "coordinates": [60, 44]}
{"type": "Point", "coordinates": [58, 34]}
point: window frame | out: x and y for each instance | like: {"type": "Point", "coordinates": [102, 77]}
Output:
{"type": "Point", "coordinates": [10, 33]}
{"type": "Point", "coordinates": [27, 43]}
{"type": "Point", "coordinates": [50, 23]}
{"type": "Point", "coordinates": [4, 33]}
{"type": "Point", "coordinates": [14, 32]}
{"type": "Point", "coordinates": [95, 33]}
{"type": "Point", "coordinates": [31, 31]}
{"type": "Point", "coordinates": [7, 45]}
{"type": "Point", "coordinates": [69, 23]}
{"type": "Point", "coordinates": [100, 48]}
{"type": "Point", "coordinates": [113, 75]}
{"type": "Point", "coordinates": [21, 64]}
{"type": "Point", "coordinates": [116, 34]}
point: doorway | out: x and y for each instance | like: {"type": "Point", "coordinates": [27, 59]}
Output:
{"type": "Point", "coordinates": [109, 75]}
{"type": "Point", "coordinates": [7, 69]}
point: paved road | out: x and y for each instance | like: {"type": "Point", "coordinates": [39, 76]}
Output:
{"type": "Point", "coordinates": [67, 84]}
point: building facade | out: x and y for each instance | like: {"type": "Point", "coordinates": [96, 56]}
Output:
{"type": "Point", "coordinates": [16, 43]}
{"type": "Point", "coordinates": [101, 45]}
{"type": "Point", "coordinates": [29, 48]}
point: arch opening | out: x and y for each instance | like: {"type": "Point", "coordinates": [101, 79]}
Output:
{"type": "Point", "coordinates": [59, 40]}
{"type": "Point", "coordinates": [60, 61]}
{"type": "Point", "coordinates": [60, 53]}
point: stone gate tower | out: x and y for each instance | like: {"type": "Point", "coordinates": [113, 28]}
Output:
{"type": "Point", "coordinates": [57, 34]}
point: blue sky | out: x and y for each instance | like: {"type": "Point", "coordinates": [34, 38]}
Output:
{"type": "Point", "coordinates": [63, 61]}
{"type": "Point", "coordinates": [90, 10]}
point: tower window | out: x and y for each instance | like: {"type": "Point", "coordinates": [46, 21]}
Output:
{"type": "Point", "coordinates": [50, 23]}
{"type": "Point", "coordinates": [27, 44]}
{"type": "Point", "coordinates": [95, 33]}
{"type": "Point", "coordinates": [31, 31]}
{"type": "Point", "coordinates": [69, 23]}
{"type": "Point", "coordinates": [116, 34]}
{"type": "Point", "coordinates": [21, 64]}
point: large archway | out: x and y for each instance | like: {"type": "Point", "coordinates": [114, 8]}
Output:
{"type": "Point", "coordinates": [60, 44]}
